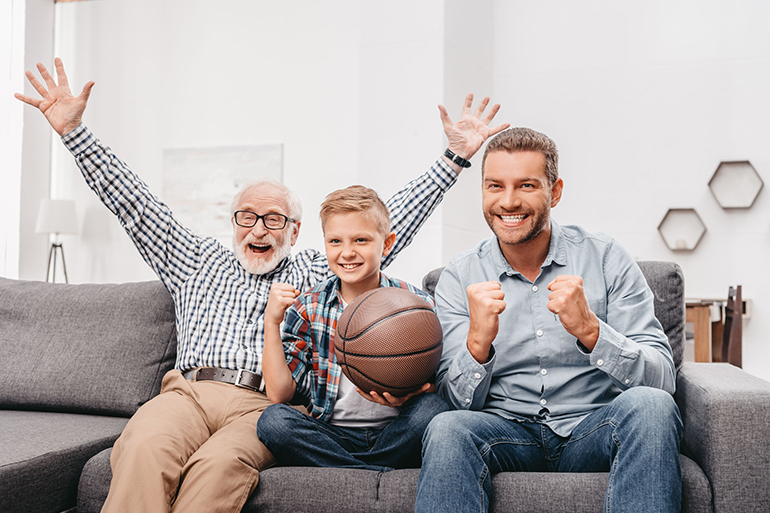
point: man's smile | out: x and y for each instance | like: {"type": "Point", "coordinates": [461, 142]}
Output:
{"type": "Point", "coordinates": [512, 219]}
{"type": "Point", "coordinates": [259, 248]}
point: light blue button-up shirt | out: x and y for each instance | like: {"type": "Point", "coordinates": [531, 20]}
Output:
{"type": "Point", "coordinates": [537, 371]}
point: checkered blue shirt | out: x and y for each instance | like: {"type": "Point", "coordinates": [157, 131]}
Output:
{"type": "Point", "coordinates": [219, 305]}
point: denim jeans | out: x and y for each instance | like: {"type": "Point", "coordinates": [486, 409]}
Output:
{"type": "Point", "coordinates": [299, 440]}
{"type": "Point", "coordinates": [635, 438]}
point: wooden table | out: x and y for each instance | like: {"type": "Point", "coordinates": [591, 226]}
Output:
{"type": "Point", "coordinates": [697, 312]}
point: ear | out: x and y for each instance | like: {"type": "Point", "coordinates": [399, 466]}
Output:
{"type": "Point", "coordinates": [295, 231]}
{"type": "Point", "coordinates": [390, 240]}
{"type": "Point", "coordinates": [556, 189]}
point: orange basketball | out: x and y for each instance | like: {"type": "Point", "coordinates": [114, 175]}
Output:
{"type": "Point", "coordinates": [388, 340]}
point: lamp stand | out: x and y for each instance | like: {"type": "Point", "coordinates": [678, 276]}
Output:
{"type": "Point", "coordinates": [56, 247]}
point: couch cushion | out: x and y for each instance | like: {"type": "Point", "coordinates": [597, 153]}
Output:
{"type": "Point", "coordinates": [64, 345]}
{"type": "Point", "coordinates": [310, 490]}
{"type": "Point", "coordinates": [43, 453]}
{"type": "Point", "coordinates": [666, 280]}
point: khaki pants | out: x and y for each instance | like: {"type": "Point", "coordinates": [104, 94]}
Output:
{"type": "Point", "coordinates": [192, 448]}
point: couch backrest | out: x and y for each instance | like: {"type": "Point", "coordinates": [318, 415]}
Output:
{"type": "Point", "coordinates": [666, 281]}
{"type": "Point", "coordinates": [99, 349]}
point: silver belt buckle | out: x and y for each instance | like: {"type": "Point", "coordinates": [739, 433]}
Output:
{"type": "Point", "coordinates": [244, 385]}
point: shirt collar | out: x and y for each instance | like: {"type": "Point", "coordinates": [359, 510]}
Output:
{"type": "Point", "coordinates": [335, 284]}
{"type": "Point", "coordinates": [557, 252]}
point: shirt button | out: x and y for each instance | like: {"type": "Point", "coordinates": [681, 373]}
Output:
{"type": "Point", "coordinates": [539, 333]}
{"type": "Point", "coordinates": [543, 402]}
{"type": "Point", "coordinates": [534, 288]}
{"type": "Point", "coordinates": [628, 381]}
{"type": "Point", "coordinates": [660, 332]}
{"type": "Point", "coordinates": [599, 362]}
{"type": "Point", "coordinates": [249, 321]}
{"type": "Point", "coordinates": [467, 400]}
{"type": "Point", "coordinates": [477, 375]}
{"type": "Point", "coordinates": [543, 372]}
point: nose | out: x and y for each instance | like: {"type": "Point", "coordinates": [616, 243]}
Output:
{"type": "Point", "coordinates": [348, 251]}
{"type": "Point", "coordinates": [259, 229]}
{"type": "Point", "coordinates": [510, 200]}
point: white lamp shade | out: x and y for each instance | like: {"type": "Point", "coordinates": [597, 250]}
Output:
{"type": "Point", "coordinates": [57, 216]}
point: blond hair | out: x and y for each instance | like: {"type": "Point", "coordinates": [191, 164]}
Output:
{"type": "Point", "coordinates": [357, 198]}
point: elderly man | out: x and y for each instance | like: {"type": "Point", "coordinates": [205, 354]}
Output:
{"type": "Point", "coordinates": [552, 356]}
{"type": "Point", "coordinates": [194, 447]}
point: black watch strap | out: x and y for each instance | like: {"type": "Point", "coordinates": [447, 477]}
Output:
{"type": "Point", "coordinates": [457, 159]}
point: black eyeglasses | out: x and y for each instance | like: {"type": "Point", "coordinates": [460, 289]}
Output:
{"type": "Point", "coordinates": [271, 221]}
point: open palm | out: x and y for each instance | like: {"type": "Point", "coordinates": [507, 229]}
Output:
{"type": "Point", "coordinates": [62, 110]}
{"type": "Point", "coordinates": [468, 134]}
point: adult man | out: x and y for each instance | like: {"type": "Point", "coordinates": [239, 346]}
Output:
{"type": "Point", "coordinates": [194, 447]}
{"type": "Point", "coordinates": [578, 379]}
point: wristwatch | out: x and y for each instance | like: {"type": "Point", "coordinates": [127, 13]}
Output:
{"type": "Point", "coordinates": [457, 159]}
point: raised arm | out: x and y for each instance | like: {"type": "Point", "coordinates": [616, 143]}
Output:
{"type": "Point", "coordinates": [62, 110]}
{"type": "Point", "coordinates": [411, 206]}
{"type": "Point", "coordinates": [279, 384]}
{"type": "Point", "coordinates": [171, 250]}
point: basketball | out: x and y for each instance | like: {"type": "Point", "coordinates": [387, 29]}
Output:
{"type": "Point", "coordinates": [388, 340]}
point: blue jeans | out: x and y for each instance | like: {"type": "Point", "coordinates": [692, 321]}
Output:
{"type": "Point", "coordinates": [635, 438]}
{"type": "Point", "coordinates": [296, 439]}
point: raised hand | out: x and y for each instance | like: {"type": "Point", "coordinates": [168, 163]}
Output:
{"type": "Point", "coordinates": [468, 134]}
{"type": "Point", "coordinates": [486, 301]}
{"type": "Point", "coordinates": [62, 110]}
{"type": "Point", "coordinates": [388, 400]}
{"type": "Point", "coordinates": [282, 295]}
{"type": "Point", "coordinates": [568, 300]}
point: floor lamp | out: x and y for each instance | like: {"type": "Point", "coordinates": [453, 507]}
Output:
{"type": "Point", "coordinates": [56, 216]}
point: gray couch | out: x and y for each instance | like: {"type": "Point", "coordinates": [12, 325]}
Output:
{"type": "Point", "coordinates": [78, 360]}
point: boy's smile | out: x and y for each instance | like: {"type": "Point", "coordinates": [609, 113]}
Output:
{"type": "Point", "coordinates": [354, 249]}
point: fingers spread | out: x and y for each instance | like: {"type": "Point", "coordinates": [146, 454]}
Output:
{"type": "Point", "coordinates": [444, 115]}
{"type": "Point", "coordinates": [26, 99]}
{"type": "Point", "coordinates": [86, 91]}
{"type": "Point", "coordinates": [491, 114]}
{"type": "Point", "coordinates": [498, 129]}
{"type": "Point", "coordinates": [36, 84]}
{"type": "Point", "coordinates": [481, 107]}
{"type": "Point", "coordinates": [46, 76]}
{"type": "Point", "coordinates": [60, 74]}
{"type": "Point", "coordinates": [467, 105]}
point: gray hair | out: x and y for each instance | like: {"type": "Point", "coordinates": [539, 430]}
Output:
{"type": "Point", "coordinates": [293, 204]}
{"type": "Point", "coordinates": [526, 139]}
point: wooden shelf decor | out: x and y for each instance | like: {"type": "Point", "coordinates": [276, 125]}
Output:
{"type": "Point", "coordinates": [681, 229]}
{"type": "Point", "coordinates": [735, 184]}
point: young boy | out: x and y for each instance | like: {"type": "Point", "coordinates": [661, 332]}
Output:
{"type": "Point", "coordinates": [346, 428]}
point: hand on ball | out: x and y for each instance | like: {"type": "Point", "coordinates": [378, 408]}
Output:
{"type": "Point", "coordinates": [388, 400]}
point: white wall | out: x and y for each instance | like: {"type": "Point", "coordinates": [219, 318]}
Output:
{"type": "Point", "coordinates": [350, 89]}
{"type": "Point", "coordinates": [11, 130]}
{"type": "Point", "coordinates": [36, 151]}
{"type": "Point", "coordinates": [644, 100]}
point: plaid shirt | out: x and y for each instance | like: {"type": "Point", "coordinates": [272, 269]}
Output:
{"type": "Point", "coordinates": [219, 305]}
{"type": "Point", "coordinates": [308, 341]}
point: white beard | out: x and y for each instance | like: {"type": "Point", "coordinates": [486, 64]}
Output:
{"type": "Point", "coordinates": [257, 265]}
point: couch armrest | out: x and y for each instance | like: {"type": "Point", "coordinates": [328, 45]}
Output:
{"type": "Point", "coordinates": [726, 414]}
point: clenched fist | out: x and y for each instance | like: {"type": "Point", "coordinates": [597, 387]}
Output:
{"type": "Point", "coordinates": [485, 303]}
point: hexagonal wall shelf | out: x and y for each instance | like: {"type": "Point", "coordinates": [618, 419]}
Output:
{"type": "Point", "coordinates": [682, 229]}
{"type": "Point", "coordinates": [735, 184]}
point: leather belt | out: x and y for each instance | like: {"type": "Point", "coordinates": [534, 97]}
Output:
{"type": "Point", "coordinates": [240, 378]}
